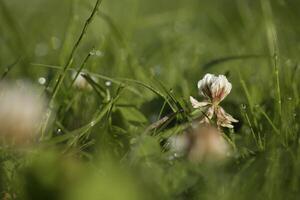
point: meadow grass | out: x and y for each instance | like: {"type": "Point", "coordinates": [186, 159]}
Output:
{"type": "Point", "coordinates": [142, 60]}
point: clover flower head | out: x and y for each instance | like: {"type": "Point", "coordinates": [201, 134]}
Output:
{"type": "Point", "coordinates": [214, 89]}
{"type": "Point", "coordinates": [81, 83]}
{"type": "Point", "coordinates": [21, 111]}
{"type": "Point", "coordinates": [201, 144]}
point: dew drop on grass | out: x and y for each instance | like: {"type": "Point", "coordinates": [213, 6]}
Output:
{"type": "Point", "coordinates": [92, 123]}
{"type": "Point", "coordinates": [289, 98]}
{"type": "Point", "coordinates": [59, 131]}
{"type": "Point", "coordinates": [98, 53]}
{"type": "Point", "coordinates": [108, 83]}
{"type": "Point", "coordinates": [42, 80]}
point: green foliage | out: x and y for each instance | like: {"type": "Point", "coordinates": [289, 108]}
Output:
{"type": "Point", "coordinates": [142, 60]}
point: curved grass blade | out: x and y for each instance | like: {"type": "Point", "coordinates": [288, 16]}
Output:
{"type": "Point", "coordinates": [222, 60]}
{"type": "Point", "coordinates": [80, 131]}
{"type": "Point", "coordinates": [9, 68]}
{"type": "Point", "coordinates": [75, 47]}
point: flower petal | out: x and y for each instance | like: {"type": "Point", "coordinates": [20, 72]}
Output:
{"type": "Point", "coordinates": [208, 115]}
{"type": "Point", "coordinates": [228, 125]}
{"type": "Point", "coordinates": [204, 85]}
{"type": "Point", "coordinates": [229, 117]}
{"type": "Point", "coordinates": [197, 104]}
{"type": "Point", "coordinates": [220, 88]}
{"type": "Point", "coordinates": [210, 112]}
{"type": "Point", "coordinates": [223, 118]}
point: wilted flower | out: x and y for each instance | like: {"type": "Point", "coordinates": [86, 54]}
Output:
{"type": "Point", "coordinates": [203, 143]}
{"type": "Point", "coordinates": [21, 112]}
{"type": "Point", "coordinates": [214, 89]}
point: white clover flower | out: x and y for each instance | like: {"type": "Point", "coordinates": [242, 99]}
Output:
{"type": "Point", "coordinates": [81, 83]}
{"type": "Point", "coordinates": [21, 111]}
{"type": "Point", "coordinates": [214, 89]}
{"type": "Point", "coordinates": [201, 144]}
{"type": "Point", "coordinates": [208, 145]}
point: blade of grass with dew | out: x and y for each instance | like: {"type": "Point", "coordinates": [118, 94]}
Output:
{"type": "Point", "coordinates": [80, 69]}
{"type": "Point", "coordinates": [74, 49]}
{"type": "Point", "coordinates": [273, 48]}
{"type": "Point", "coordinates": [99, 116]}
{"type": "Point", "coordinates": [63, 73]}
{"type": "Point", "coordinates": [269, 120]}
{"type": "Point", "coordinates": [103, 77]}
{"type": "Point", "coordinates": [100, 90]}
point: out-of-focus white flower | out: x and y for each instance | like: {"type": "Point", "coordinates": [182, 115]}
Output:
{"type": "Point", "coordinates": [203, 143]}
{"type": "Point", "coordinates": [80, 82]}
{"type": "Point", "coordinates": [214, 89]}
{"type": "Point", "coordinates": [21, 112]}
{"type": "Point", "coordinates": [179, 143]}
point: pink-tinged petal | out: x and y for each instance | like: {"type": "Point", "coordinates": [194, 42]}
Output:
{"type": "Point", "coordinates": [223, 118]}
{"type": "Point", "coordinates": [220, 88]}
{"type": "Point", "coordinates": [206, 80]}
{"type": "Point", "coordinates": [197, 104]}
{"type": "Point", "coordinates": [228, 125]}
{"type": "Point", "coordinates": [205, 120]}
{"type": "Point", "coordinates": [224, 123]}
{"type": "Point", "coordinates": [210, 112]}
{"type": "Point", "coordinates": [204, 85]}
{"type": "Point", "coordinates": [228, 116]}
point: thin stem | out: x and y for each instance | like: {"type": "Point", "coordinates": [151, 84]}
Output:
{"type": "Point", "coordinates": [71, 56]}
{"type": "Point", "coordinates": [273, 47]}
{"type": "Point", "coordinates": [63, 73]}
{"type": "Point", "coordinates": [278, 86]}
{"type": "Point", "coordinates": [269, 120]}
{"type": "Point", "coordinates": [80, 69]}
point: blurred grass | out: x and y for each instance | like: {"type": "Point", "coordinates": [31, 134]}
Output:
{"type": "Point", "coordinates": [153, 53]}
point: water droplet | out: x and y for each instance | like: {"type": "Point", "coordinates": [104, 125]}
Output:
{"type": "Point", "coordinates": [42, 80]}
{"type": "Point", "coordinates": [295, 114]}
{"type": "Point", "coordinates": [59, 131]}
{"type": "Point", "coordinates": [98, 53]}
{"type": "Point", "coordinates": [92, 123]}
{"type": "Point", "coordinates": [108, 83]}
{"type": "Point", "coordinates": [290, 98]}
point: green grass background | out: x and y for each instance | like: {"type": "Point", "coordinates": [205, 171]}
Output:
{"type": "Point", "coordinates": [154, 52]}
